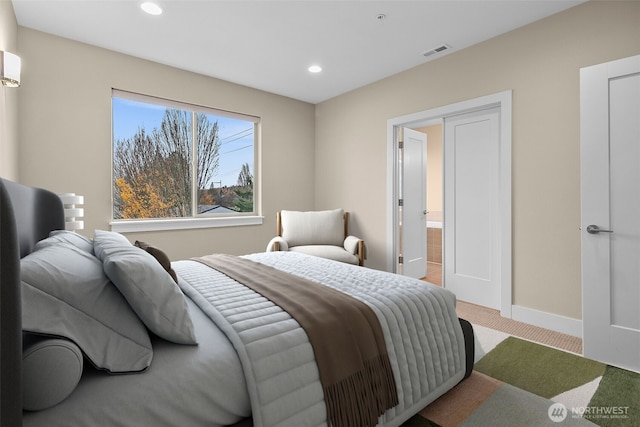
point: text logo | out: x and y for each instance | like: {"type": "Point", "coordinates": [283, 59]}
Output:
{"type": "Point", "coordinates": [557, 412]}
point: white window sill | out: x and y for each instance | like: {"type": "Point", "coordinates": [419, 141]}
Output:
{"type": "Point", "coordinates": [131, 226]}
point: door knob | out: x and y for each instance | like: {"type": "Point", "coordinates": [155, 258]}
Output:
{"type": "Point", "coordinates": [594, 229]}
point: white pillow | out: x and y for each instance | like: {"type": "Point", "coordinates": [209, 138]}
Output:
{"type": "Point", "coordinates": [148, 288]}
{"type": "Point", "coordinates": [65, 293]}
{"type": "Point", "coordinates": [66, 236]}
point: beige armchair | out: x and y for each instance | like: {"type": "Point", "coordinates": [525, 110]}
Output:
{"type": "Point", "coordinates": [320, 233]}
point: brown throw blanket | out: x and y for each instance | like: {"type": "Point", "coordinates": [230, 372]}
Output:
{"type": "Point", "coordinates": [344, 332]}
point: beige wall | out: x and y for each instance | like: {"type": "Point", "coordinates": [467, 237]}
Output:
{"type": "Point", "coordinates": [434, 167]}
{"type": "Point", "coordinates": [65, 135]}
{"type": "Point", "coordinates": [338, 158]}
{"type": "Point", "coordinates": [540, 63]}
{"type": "Point", "coordinates": [8, 97]}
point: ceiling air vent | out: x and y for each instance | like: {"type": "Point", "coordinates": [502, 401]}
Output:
{"type": "Point", "coordinates": [436, 50]}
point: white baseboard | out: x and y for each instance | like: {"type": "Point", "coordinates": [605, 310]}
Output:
{"type": "Point", "coordinates": [554, 322]}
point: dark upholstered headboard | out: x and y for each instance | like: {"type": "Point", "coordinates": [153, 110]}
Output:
{"type": "Point", "coordinates": [27, 215]}
{"type": "Point", "coordinates": [37, 213]}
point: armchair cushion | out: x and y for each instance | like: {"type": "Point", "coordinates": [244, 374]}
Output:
{"type": "Point", "coordinates": [313, 228]}
{"type": "Point", "coordinates": [336, 253]}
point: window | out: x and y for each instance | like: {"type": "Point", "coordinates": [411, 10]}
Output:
{"type": "Point", "coordinates": [177, 165]}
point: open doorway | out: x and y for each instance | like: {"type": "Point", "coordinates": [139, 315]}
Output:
{"type": "Point", "coordinates": [435, 200]}
{"type": "Point", "coordinates": [456, 251]}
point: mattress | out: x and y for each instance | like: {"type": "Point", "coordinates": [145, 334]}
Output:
{"type": "Point", "coordinates": [185, 385]}
{"type": "Point", "coordinates": [211, 384]}
{"type": "Point", "coordinates": [424, 339]}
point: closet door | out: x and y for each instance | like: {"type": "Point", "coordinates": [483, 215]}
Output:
{"type": "Point", "coordinates": [472, 207]}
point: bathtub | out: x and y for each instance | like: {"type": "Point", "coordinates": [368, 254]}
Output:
{"type": "Point", "coordinates": [434, 219]}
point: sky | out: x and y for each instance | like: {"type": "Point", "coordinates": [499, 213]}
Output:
{"type": "Point", "coordinates": [236, 136]}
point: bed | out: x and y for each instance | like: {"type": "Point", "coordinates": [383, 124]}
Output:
{"type": "Point", "coordinates": [199, 348]}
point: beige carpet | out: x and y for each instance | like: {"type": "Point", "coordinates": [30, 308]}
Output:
{"type": "Point", "coordinates": [491, 319]}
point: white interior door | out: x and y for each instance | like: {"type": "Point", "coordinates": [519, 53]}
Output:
{"type": "Point", "coordinates": [414, 204]}
{"type": "Point", "coordinates": [610, 164]}
{"type": "Point", "coordinates": [472, 207]}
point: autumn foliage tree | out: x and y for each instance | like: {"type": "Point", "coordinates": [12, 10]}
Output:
{"type": "Point", "coordinates": [152, 172]}
{"type": "Point", "coordinates": [237, 197]}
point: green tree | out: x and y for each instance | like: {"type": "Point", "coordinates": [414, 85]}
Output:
{"type": "Point", "coordinates": [244, 190]}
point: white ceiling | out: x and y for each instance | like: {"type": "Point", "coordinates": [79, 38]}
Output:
{"type": "Point", "coordinates": [269, 44]}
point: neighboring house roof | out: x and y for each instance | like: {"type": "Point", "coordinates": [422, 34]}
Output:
{"type": "Point", "coordinates": [202, 209]}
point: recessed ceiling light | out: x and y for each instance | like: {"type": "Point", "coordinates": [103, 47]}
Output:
{"type": "Point", "coordinates": [315, 69]}
{"type": "Point", "coordinates": [151, 8]}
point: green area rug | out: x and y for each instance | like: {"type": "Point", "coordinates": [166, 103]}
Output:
{"type": "Point", "coordinates": [617, 400]}
{"type": "Point", "coordinates": [541, 370]}
{"type": "Point", "coordinates": [520, 383]}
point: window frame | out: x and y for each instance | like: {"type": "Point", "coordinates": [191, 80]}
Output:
{"type": "Point", "coordinates": [196, 220]}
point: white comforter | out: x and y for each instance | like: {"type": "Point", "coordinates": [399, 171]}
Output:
{"type": "Point", "coordinates": [422, 332]}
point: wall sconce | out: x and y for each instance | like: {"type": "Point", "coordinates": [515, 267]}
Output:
{"type": "Point", "coordinates": [71, 211]}
{"type": "Point", "coordinates": [9, 69]}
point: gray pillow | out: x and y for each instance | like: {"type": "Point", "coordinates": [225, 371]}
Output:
{"type": "Point", "coordinates": [148, 288]}
{"type": "Point", "coordinates": [51, 370]}
{"type": "Point", "coordinates": [75, 239]}
{"type": "Point", "coordinates": [65, 293]}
